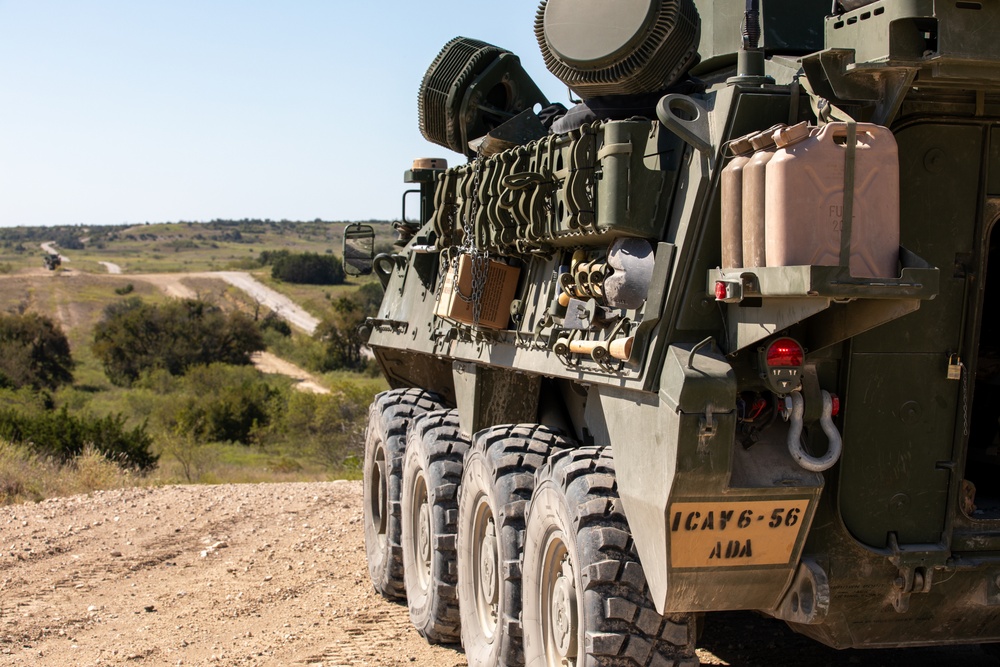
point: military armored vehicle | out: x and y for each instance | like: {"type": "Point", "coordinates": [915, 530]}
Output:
{"type": "Point", "coordinates": [722, 336]}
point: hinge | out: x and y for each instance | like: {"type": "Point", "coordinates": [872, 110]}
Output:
{"type": "Point", "coordinates": [706, 430]}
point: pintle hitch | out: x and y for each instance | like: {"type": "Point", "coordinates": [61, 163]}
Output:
{"type": "Point", "coordinates": [916, 572]}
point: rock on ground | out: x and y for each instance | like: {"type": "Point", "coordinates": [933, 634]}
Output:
{"type": "Point", "coordinates": [259, 574]}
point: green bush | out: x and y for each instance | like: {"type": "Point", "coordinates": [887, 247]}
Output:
{"type": "Point", "coordinates": [329, 427]}
{"type": "Point", "coordinates": [272, 257]}
{"type": "Point", "coordinates": [274, 322]}
{"type": "Point", "coordinates": [339, 333]}
{"type": "Point", "coordinates": [34, 353]}
{"type": "Point", "coordinates": [135, 337]}
{"type": "Point", "coordinates": [64, 436]}
{"type": "Point", "coordinates": [214, 403]}
{"type": "Point", "coordinates": [307, 268]}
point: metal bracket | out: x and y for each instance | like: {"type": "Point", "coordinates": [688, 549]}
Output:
{"type": "Point", "coordinates": [807, 600]}
{"type": "Point", "coordinates": [687, 119]}
{"type": "Point", "coordinates": [916, 574]}
{"type": "Point", "coordinates": [834, 76]}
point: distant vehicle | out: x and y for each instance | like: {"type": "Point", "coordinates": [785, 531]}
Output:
{"type": "Point", "coordinates": [52, 261]}
{"type": "Point", "coordinates": [726, 336]}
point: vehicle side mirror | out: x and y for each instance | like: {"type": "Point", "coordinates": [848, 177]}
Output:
{"type": "Point", "coordinates": [359, 249]}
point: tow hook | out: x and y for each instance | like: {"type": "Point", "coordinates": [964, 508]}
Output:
{"type": "Point", "coordinates": [794, 409]}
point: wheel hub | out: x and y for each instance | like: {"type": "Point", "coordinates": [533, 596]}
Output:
{"type": "Point", "coordinates": [562, 614]}
{"type": "Point", "coordinates": [379, 497]}
{"type": "Point", "coordinates": [488, 564]}
{"type": "Point", "coordinates": [424, 537]}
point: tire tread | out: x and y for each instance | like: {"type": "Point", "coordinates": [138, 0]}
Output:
{"type": "Point", "coordinates": [627, 630]}
{"type": "Point", "coordinates": [389, 418]}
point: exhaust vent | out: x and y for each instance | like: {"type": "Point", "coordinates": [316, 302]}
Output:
{"type": "Point", "coordinates": [471, 88]}
{"type": "Point", "coordinates": [618, 48]}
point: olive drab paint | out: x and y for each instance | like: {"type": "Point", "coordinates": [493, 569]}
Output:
{"type": "Point", "coordinates": [800, 393]}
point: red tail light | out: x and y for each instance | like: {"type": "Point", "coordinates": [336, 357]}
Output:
{"type": "Point", "coordinates": [720, 290]}
{"type": "Point", "coordinates": [784, 352]}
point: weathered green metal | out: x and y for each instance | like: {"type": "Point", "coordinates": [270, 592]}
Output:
{"type": "Point", "coordinates": [895, 545]}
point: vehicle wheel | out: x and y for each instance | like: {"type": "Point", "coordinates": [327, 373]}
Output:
{"type": "Point", "coordinates": [385, 440]}
{"type": "Point", "coordinates": [586, 602]}
{"type": "Point", "coordinates": [432, 473]}
{"type": "Point", "coordinates": [497, 482]}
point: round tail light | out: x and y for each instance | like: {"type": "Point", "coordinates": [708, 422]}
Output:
{"type": "Point", "coordinates": [784, 352]}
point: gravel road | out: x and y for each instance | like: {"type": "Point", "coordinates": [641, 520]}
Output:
{"type": "Point", "coordinates": [193, 575]}
{"type": "Point", "coordinates": [276, 301]}
{"type": "Point", "coordinates": [49, 248]}
{"type": "Point", "coordinates": [263, 574]}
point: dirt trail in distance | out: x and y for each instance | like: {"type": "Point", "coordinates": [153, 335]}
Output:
{"type": "Point", "coordinates": [270, 363]}
{"type": "Point", "coordinates": [51, 249]}
{"type": "Point", "coordinates": [172, 284]}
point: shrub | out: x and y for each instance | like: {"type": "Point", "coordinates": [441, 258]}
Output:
{"type": "Point", "coordinates": [27, 476]}
{"type": "Point", "coordinates": [340, 334]}
{"type": "Point", "coordinates": [214, 403]}
{"type": "Point", "coordinates": [274, 322]}
{"type": "Point", "coordinates": [64, 436]}
{"type": "Point", "coordinates": [128, 288]}
{"type": "Point", "coordinates": [271, 257]}
{"type": "Point", "coordinates": [34, 353]}
{"type": "Point", "coordinates": [135, 337]}
{"type": "Point", "coordinates": [308, 268]}
{"type": "Point", "coordinates": [330, 427]}
{"type": "Point", "coordinates": [69, 241]}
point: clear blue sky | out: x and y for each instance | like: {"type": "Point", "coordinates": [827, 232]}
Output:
{"type": "Point", "coordinates": [126, 111]}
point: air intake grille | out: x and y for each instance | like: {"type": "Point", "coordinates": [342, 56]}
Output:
{"type": "Point", "coordinates": [456, 66]}
{"type": "Point", "coordinates": [662, 50]}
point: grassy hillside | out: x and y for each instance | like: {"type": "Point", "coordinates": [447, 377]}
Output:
{"type": "Point", "coordinates": [310, 437]}
{"type": "Point", "coordinates": [175, 247]}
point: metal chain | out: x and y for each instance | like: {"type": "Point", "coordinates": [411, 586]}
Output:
{"type": "Point", "coordinates": [965, 398]}
{"type": "Point", "coordinates": [479, 258]}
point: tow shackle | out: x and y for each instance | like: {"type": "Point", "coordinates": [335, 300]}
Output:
{"type": "Point", "coordinates": [793, 414]}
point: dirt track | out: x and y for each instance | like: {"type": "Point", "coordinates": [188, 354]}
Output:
{"type": "Point", "coordinates": [258, 575]}
{"type": "Point", "coordinates": [228, 575]}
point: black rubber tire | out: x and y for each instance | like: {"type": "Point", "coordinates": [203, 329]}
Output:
{"type": "Point", "coordinates": [432, 473]}
{"type": "Point", "coordinates": [585, 594]}
{"type": "Point", "coordinates": [389, 418]}
{"type": "Point", "coordinates": [497, 483]}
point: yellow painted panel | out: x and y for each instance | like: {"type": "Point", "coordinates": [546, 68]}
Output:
{"type": "Point", "coordinates": [734, 533]}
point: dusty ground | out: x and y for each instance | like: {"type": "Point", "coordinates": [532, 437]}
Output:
{"type": "Point", "coordinates": [257, 575]}
{"type": "Point", "coordinates": [228, 575]}
{"type": "Point", "coordinates": [269, 363]}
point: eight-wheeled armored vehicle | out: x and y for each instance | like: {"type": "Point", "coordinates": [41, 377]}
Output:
{"type": "Point", "coordinates": [725, 334]}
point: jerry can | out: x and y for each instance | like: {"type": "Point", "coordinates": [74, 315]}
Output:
{"type": "Point", "coordinates": [805, 203]}
{"type": "Point", "coordinates": [732, 203]}
{"type": "Point", "coordinates": [754, 204]}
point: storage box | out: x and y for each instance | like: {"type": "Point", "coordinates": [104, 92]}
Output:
{"type": "Point", "coordinates": [496, 297]}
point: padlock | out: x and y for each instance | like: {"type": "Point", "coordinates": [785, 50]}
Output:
{"type": "Point", "coordinates": [954, 367]}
